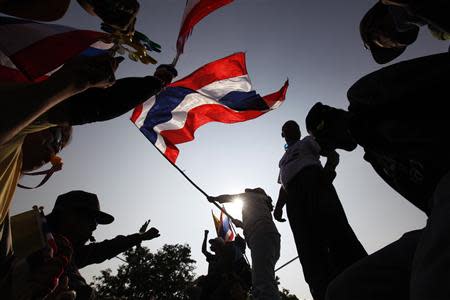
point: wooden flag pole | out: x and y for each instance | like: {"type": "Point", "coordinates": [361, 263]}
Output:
{"type": "Point", "coordinates": [194, 184]}
{"type": "Point", "coordinates": [284, 265]}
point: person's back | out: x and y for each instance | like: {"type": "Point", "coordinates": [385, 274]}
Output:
{"type": "Point", "coordinates": [256, 214]}
{"type": "Point", "coordinates": [300, 154]}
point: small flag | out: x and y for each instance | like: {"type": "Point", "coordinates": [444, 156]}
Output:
{"type": "Point", "coordinates": [220, 91]}
{"type": "Point", "coordinates": [30, 51]}
{"type": "Point", "coordinates": [225, 230]}
{"type": "Point", "coordinates": [216, 222]}
{"type": "Point", "coordinates": [194, 12]}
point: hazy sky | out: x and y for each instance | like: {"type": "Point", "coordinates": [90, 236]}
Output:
{"type": "Point", "coordinates": [316, 44]}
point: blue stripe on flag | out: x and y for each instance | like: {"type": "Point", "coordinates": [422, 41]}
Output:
{"type": "Point", "coordinates": [169, 99]}
{"type": "Point", "coordinates": [161, 111]}
{"type": "Point", "coordinates": [8, 21]}
{"type": "Point", "coordinates": [93, 52]}
{"type": "Point", "coordinates": [242, 101]}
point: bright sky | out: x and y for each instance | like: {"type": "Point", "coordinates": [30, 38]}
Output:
{"type": "Point", "coordinates": [316, 45]}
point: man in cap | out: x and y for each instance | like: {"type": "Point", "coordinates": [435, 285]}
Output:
{"type": "Point", "coordinates": [326, 244]}
{"type": "Point", "coordinates": [389, 27]}
{"type": "Point", "coordinates": [75, 216]}
{"type": "Point", "coordinates": [262, 238]}
{"type": "Point", "coordinates": [403, 137]}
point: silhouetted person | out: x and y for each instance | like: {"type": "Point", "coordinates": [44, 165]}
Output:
{"type": "Point", "coordinates": [398, 115]}
{"type": "Point", "coordinates": [326, 244]}
{"type": "Point", "coordinates": [75, 216]}
{"type": "Point", "coordinates": [387, 30]}
{"type": "Point", "coordinates": [262, 238]}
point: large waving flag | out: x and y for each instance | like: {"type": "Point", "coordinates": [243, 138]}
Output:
{"type": "Point", "coordinates": [220, 91]}
{"type": "Point", "coordinates": [194, 12]}
{"type": "Point", "coordinates": [30, 51]}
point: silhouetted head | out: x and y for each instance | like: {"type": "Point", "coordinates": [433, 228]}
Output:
{"type": "Point", "coordinates": [330, 127]}
{"type": "Point", "coordinates": [291, 131]}
{"type": "Point", "coordinates": [76, 215]}
{"type": "Point", "coordinates": [39, 147]}
{"type": "Point", "coordinates": [217, 244]}
{"type": "Point", "coordinates": [380, 34]}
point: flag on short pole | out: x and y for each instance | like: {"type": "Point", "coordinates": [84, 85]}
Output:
{"type": "Point", "coordinates": [220, 91]}
{"type": "Point", "coordinates": [31, 51]}
{"type": "Point", "coordinates": [194, 12]}
{"type": "Point", "coordinates": [223, 226]}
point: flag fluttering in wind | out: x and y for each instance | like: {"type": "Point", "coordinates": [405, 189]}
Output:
{"type": "Point", "coordinates": [223, 227]}
{"type": "Point", "coordinates": [220, 91]}
{"type": "Point", "coordinates": [30, 51]}
{"type": "Point", "coordinates": [194, 12]}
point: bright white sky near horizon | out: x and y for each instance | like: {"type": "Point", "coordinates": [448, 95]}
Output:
{"type": "Point", "coordinates": [316, 44]}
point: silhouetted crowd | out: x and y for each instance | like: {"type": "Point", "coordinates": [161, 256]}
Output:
{"type": "Point", "coordinates": [397, 114]}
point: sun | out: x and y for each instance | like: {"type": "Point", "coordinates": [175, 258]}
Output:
{"type": "Point", "coordinates": [235, 208]}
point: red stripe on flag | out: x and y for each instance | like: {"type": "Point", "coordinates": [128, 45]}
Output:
{"type": "Point", "coordinates": [11, 75]}
{"type": "Point", "coordinates": [224, 68]}
{"type": "Point", "coordinates": [277, 96]}
{"type": "Point", "coordinates": [171, 152]}
{"type": "Point", "coordinates": [198, 12]}
{"type": "Point", "coordinates": [137, 112]}
{"type": "Point", "coordinates": [53, 51]}
{"type": "Point", "coordinates": [201, 115]}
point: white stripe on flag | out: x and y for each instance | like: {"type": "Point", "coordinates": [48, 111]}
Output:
{"type": "Point", "coordinates": [146, 106]}
{"type": "Point", "coordinates": [6, 62]}
{"type": "Point", "coordinates": [207, 96]}
{"type": "Point", "coordinates": [219, 89]}
{"type": "Point", "coordinates": [189, 6]}
{"type": "Point", "coordinates": [16, 37]}
{"type": "Point", "coordinates": [161, 144]}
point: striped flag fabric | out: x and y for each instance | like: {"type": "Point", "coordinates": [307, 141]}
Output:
{"type": "Point", "coordinates": [225, 230]}
{"type": "Point", "coordinates": [220, 91]}
{"type": "Point", "coordinates": [30, 51]}
{"type": "Point", "coordinates": [194, 12]}
{"type": "Point", "coordinates": [223, 226]}
{"type": "Point", "coordinates": [216, 222]}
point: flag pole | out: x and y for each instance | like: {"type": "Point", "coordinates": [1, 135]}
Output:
{"type": "Point", "coordinates": [193, 183]}
{"type": "Point", "coordinates": [284, 265]}
{"type": "Point", "coordinates": [175, 59]}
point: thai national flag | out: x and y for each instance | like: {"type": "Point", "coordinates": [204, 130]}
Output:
{"type": "Point", "coordinates": [194, 12]}
{"type": "Point", "coordinates": [225, 230]}
{"type": "Point", "coordinates": [30, 51]}
{"type": "Point", "coordinates": [223, 226]}
{"type": "Point", "coordinates": [220, 91]}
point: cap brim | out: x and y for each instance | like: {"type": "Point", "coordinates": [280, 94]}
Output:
{"type": "Point", "coordinates": [385, 55]}
{"type": "Point", "coordinates": [103, 218]}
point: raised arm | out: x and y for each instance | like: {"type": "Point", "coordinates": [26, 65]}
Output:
{"type": "Point", "coordinates": [330, 165]}
{"type": "Point", "coordinates": [98, 252]}
{"type": "Point", "coordinates": [96, 105]}
{"type": "Point", "coordinates": [40, 10]}
{"type": "Point", "coordinates": [24, 103]}
{"type": "Point", "coordinates": [281, 202]}
{"type": "Point", "coordinates": [225, 198]}
{"type": "Point", "coordinates": [204, 249]}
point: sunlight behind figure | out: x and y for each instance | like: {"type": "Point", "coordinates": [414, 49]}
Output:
{"type": "Point", "coordinates": [235, 208]}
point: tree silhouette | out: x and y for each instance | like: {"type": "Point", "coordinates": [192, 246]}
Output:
{"type": "Point", "coordinates": [285, 295]}
{"type": "Point", "coordinates": [163, 275]}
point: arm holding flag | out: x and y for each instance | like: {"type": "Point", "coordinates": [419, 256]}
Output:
{"type": "Point", "coordinates": [225, 198]}
{"type": "Point", "coordinates": [25, 102]}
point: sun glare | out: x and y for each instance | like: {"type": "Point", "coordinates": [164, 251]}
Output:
{"type": "Point", "coordinates": [235, 208]}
